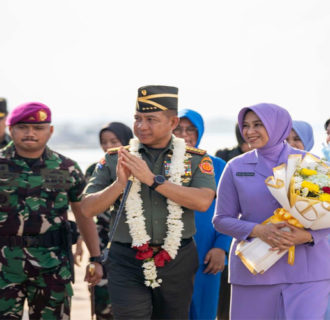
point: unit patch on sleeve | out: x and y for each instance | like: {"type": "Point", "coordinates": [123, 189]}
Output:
{"type": "Point", "coordinates": [206, 165]}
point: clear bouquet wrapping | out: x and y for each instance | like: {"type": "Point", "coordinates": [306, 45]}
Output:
{"type": "Point", "coordinates": [302, 187]}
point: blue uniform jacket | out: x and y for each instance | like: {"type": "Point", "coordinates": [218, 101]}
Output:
{"type": "Point", "coordinates": [206, 288]}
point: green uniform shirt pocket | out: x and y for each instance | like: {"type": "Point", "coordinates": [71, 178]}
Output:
{"type": "Point", "coordinates": [9, 182]}
{"type": "Point", "coordinates": [54, 179]}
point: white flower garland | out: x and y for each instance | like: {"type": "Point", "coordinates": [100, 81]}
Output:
{"type": "Point", "coordinates": [136, 219]}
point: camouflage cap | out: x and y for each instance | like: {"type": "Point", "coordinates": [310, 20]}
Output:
{"type": "Point", "coordinates": [157, 98]}
{"type": "Point", "coordinates": [3, 107]}
{"type": "Point", "coordinates": [30, 112]}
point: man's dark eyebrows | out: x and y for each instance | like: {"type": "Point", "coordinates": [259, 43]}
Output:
{"type": "Point", "coordinates": [40, 125]}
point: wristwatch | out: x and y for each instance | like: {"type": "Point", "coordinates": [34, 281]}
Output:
{"type": "Point", "coordinates": [158, 180]}
{"type": "Point", "coordinates": [311, 241]}
{"type": "Point", "coordinates": [97, 259]}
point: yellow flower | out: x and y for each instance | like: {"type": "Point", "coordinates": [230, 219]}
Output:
{"type": "Point", "coordinates": [312, 187]}
{"type": "Point", "coordinates": [307, 172]}
{"type": "Point", "coordinates": [325, 197]}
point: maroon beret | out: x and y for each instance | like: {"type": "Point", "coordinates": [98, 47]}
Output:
{"type": "Point", "coordinates": [30, 112]}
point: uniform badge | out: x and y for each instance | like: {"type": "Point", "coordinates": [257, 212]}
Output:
{"type": "Point", "coordinates": [206, 166]}
{"type": "Point", "coordinates": [244, 174]}
{"type": "Point", "coordinates": [207, 158]}
{"type": "Point", "coordinates": [42, 115]}
{"type": "Point", "coordinates": [101, 163]}
{"type": "Point", "coordinates": [187, 168]}
{"type": "Point", "coordinates": [167, 165]}
{"type": "Point", "coordinates": [185, 180]}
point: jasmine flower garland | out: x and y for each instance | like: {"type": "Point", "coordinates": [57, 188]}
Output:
{"type": "Point", "coordinates": [136, 219]}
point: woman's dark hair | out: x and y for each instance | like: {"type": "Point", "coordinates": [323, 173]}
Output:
{"type": "Point", "coordinates": [326, 124]}
{"type": "Point", "coordinates": [122, 132]}
{"type": "Point", "coordinates": [239, 137]}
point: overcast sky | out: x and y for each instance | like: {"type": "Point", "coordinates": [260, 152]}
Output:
{"type": "Point", "coordinates": [86, 59]}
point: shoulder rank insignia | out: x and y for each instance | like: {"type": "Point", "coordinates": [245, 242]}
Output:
{"type": "Point", "coordinates": [115, 150]}
{"type": "Point", "coordinates": [206, 165]}
{"type": "Point", "coordinates": [195, 150]}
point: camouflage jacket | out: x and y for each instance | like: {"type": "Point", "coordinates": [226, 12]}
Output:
{"type": "Point", "coordinates": [5, 141]}
{"type": "Point", "coordinates": [35, 199]}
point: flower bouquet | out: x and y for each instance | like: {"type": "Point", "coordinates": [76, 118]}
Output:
{"type": "Point", "coordinates": [302, 187]}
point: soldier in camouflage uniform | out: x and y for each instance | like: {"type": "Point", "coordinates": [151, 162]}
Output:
{"type": "Point", "coordinates": [130, 294]}
{"type": "Point", "coordinates": [4, 137]}
{"type": "Point", "coordinates": [114, 134]}
{"type": "Point", "coordinates": [36, 187]}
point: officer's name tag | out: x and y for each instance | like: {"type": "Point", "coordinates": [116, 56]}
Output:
{"type": "Point", "coordinates": [245, 174]}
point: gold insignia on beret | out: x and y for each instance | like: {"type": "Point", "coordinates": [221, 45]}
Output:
{"type": "Point", "coordinates": [42, 115]}
{"type": "Point", "coordinates": [157, 98]}
{"type": "Point", "coordinates": [148, 100]}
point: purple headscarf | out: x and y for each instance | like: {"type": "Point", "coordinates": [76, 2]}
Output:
{"type": "Point", "coordinates": [278, 124]}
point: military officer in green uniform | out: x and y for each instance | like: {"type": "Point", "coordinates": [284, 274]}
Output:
{"type": "Point", "coordinates": [36, 187]}
{"type": "Point", "coordinates": [153, 258]}
{"type": "Point", "coordinates": [4, 137]}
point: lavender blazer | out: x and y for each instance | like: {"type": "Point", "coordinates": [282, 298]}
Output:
{"type": "Point", "coordinates": [243, 201]}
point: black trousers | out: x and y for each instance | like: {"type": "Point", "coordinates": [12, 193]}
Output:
{"type": "Point", "coordinates": [224, 296]}
{"type": "Point", "coordinates": [131, 299]}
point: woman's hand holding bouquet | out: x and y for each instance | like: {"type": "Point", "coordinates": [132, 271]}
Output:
{"type": "Point", "coordinates": [302, 187]}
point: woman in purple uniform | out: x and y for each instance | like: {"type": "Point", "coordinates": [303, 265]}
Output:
{"type": "Point", "coordinates": [244, 202]}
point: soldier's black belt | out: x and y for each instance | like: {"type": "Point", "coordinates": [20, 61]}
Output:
{"type": "Point", "coordinates": [48, 239]}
